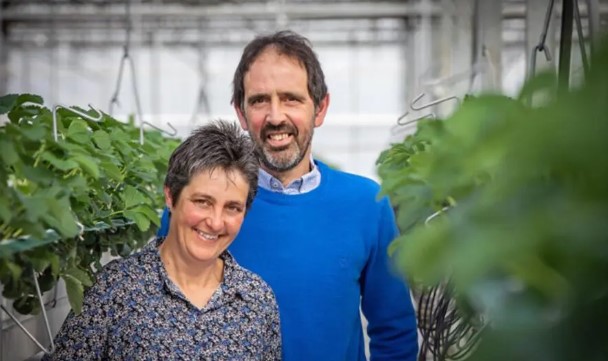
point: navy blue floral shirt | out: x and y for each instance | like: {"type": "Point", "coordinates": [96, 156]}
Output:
{"type": "Point", "coordinates": [135, 312]}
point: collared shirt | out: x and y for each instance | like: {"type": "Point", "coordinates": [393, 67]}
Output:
{"type": "Point", "coordinates": [304, 184]}
{"type": "Point", "coordinates": [135, 312]}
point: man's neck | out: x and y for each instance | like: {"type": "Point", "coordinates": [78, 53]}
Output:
{"type": "Point", "coordinates": [289, 176]}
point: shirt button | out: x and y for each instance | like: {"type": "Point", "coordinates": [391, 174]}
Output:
{"type": "Point", "coordinates": [274, 184]}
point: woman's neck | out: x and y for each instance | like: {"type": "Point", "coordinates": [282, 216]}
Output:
{"type": "Point", "coordinates": [196, 280]}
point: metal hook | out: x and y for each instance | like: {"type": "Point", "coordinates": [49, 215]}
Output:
{"type": "Point", "coordinates": [75, 111]}
{"type": "Point", "coordinates": [46, 319]}
{"type": "Point", "coordinates": [171, 134]}
{"type": "Point", "coordinates": [430, 218]}
{"type": "Point", "coordinates": [438, 101]}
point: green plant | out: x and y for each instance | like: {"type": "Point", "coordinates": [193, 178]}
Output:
{"type": "Point", "coordinates": [524, 238]}
{"type": "Point", "coordinates": [66, 202]}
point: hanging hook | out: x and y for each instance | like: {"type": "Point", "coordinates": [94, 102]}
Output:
{"type": "Point", "coordinates": [171, 134]}
{"type": "Point", "coordinates": [438, 101]}
{"type": "Point", "coordinates": [432, 216]}
{"type": "Point", "coordinates": [75, 111]}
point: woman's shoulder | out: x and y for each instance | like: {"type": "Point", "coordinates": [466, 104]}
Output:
{"type": "Point", "coordinates": [249, 284]}
{"type": "Point", "coordinates": [118, 271]}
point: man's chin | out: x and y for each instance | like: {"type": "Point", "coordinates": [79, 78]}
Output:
{"type": "Point", "coordinates": [279, 165]}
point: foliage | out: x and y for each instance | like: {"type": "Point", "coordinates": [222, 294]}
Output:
{"type": "Point", "coordinates": [65, 203]}
{"type": "Point", "coordinates": [524, 238]}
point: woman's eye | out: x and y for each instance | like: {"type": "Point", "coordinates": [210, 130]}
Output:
{"type": "Point", "coordinates": [235, 209]}
{"type": "Point", "coordinates": [202, 202]}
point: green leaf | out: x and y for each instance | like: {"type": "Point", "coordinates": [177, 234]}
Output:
{"type": "Point", "coordinates": [7, 102]}
{"type": "Point", "coordinates": [150, 213]}
{"type": "Point", "coordinates": [35, 207]}
{"type": "Point", "coordinates": [140, 219]}
{"type": "Point", "coordinates": [64, 165]}
{"type": "Point", "coordinates": [60, 217]}
{"type": "Point", "coordinates": [8, 152]}
{"type": "Point", "coordinates": [29, 98]}
{"type": "Point", "coordinates": [132, 197]}
{"type": "Point", "coordinates": [34, 132]}
{"type": "Point", "coordinates": [75, 292]}
{"type": "Point", "coordinates": [13, 269]}
{"type": "Point", "coordinates": [102, 140]}
{"type": "Point", "coordinates": [81, 275]}
{"type": "Point", "coordinates": [88, 165]}
{"type": "Point", "coordinates": [111, 170]}
{"type": "Point", "coordinates": [78, 131]}
{"type": "Point", "coordinates": [5, 212]}
{"type": "Point", "coordinates": [12, 246]}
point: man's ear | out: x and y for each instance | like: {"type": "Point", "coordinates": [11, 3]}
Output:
{"type": "Point", "coordinates": [322, 111]}
{"type": "Point", "coordinates": [168, 199]}
{"type": "Point", "coordinates": [241, 116]}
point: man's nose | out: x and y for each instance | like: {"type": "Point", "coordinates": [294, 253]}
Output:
{"type": "Point", "coordinates": [276, 115]}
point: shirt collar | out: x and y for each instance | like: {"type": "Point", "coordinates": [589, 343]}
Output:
{"type": "Point", "coordinates": [304, 184]}
{"type": "Point", "coordinates": [231, 286]}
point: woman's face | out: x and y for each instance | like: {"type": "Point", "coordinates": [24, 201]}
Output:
{"type": "Point", "coordinates": [208, 214]}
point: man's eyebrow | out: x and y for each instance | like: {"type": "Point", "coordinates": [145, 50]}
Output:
{"type": "Point", "coordinates": [292, 95]}
{"type": "Point", "coordinates": [254, 97]}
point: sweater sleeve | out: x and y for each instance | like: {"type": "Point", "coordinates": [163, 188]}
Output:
{"type": "Point", "coordinates": [163, 230]}
{"type": "Point", "coordinates": [386, 300]}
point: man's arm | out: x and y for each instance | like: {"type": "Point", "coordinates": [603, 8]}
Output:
{"type": "Point", "coordinates": [386, 300]}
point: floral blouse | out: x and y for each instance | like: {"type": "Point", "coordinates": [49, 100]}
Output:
{"type": "Point", "coordinates": [135, 312]}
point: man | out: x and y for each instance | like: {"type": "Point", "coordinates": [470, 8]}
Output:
{"type": "Point", "coordinates": [318, 236]}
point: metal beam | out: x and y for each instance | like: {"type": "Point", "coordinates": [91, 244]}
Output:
{"type": "Point", "coordinates": [326, 10]}
{"type": "Point", "coordinates": [294, 11]}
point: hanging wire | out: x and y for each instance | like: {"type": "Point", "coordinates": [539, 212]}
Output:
{"type": "Point", "coordinates": [202, 101]}
{"type": "Point", "coordinates": [581, 38]}
{"type": "Point", "coordinates": [127, 58]}
{"type": "Point", "coordinates": [541, 46]}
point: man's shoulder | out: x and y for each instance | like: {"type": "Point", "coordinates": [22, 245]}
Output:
{"type": "Point", "coordinates": [349, 181]}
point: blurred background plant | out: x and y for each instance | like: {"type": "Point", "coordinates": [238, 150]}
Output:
{"type": "Point", "coordinates": [519, 198]}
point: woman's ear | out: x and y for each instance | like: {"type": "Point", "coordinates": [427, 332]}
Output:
{"type": "Point", "coordinates": [168, 199]}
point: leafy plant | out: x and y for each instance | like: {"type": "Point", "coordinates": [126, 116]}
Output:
{"type": "Point", "coordinates": [66, 202]}
{"type": "Point", "coordinates": [524, 239]}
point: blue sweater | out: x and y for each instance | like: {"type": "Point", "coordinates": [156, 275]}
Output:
{"type": "Point", "coordinates": [324, 253]}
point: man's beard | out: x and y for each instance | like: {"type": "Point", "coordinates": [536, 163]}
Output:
{"type": "Point", "coordinates": [282, 160]}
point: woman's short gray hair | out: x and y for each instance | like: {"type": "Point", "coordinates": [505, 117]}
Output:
{"type": "Point", "coordinates": [218, 144]}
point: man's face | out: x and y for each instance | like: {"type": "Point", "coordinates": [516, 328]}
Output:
{"type": "Point", "coordinates": [279, 113]}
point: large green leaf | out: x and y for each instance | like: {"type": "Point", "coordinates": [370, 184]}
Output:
{"type": "Point", "coordinates": [132, 197]}
{"type": "Point", "coordinates": [88, 165]}
{"type": "Point", "coordinates": [141, 219]}
{"type": "Point", "coordinates": [75, 291]}
{"type": "Point", "coordinates": [78, 131]}
{"type": "Point", "coordinates": [7, 102]}
{"type": "Point", "coordinates": [102, 140]}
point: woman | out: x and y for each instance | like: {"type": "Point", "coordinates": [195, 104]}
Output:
{"type": "Point", "coordinates": [185, 297]}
